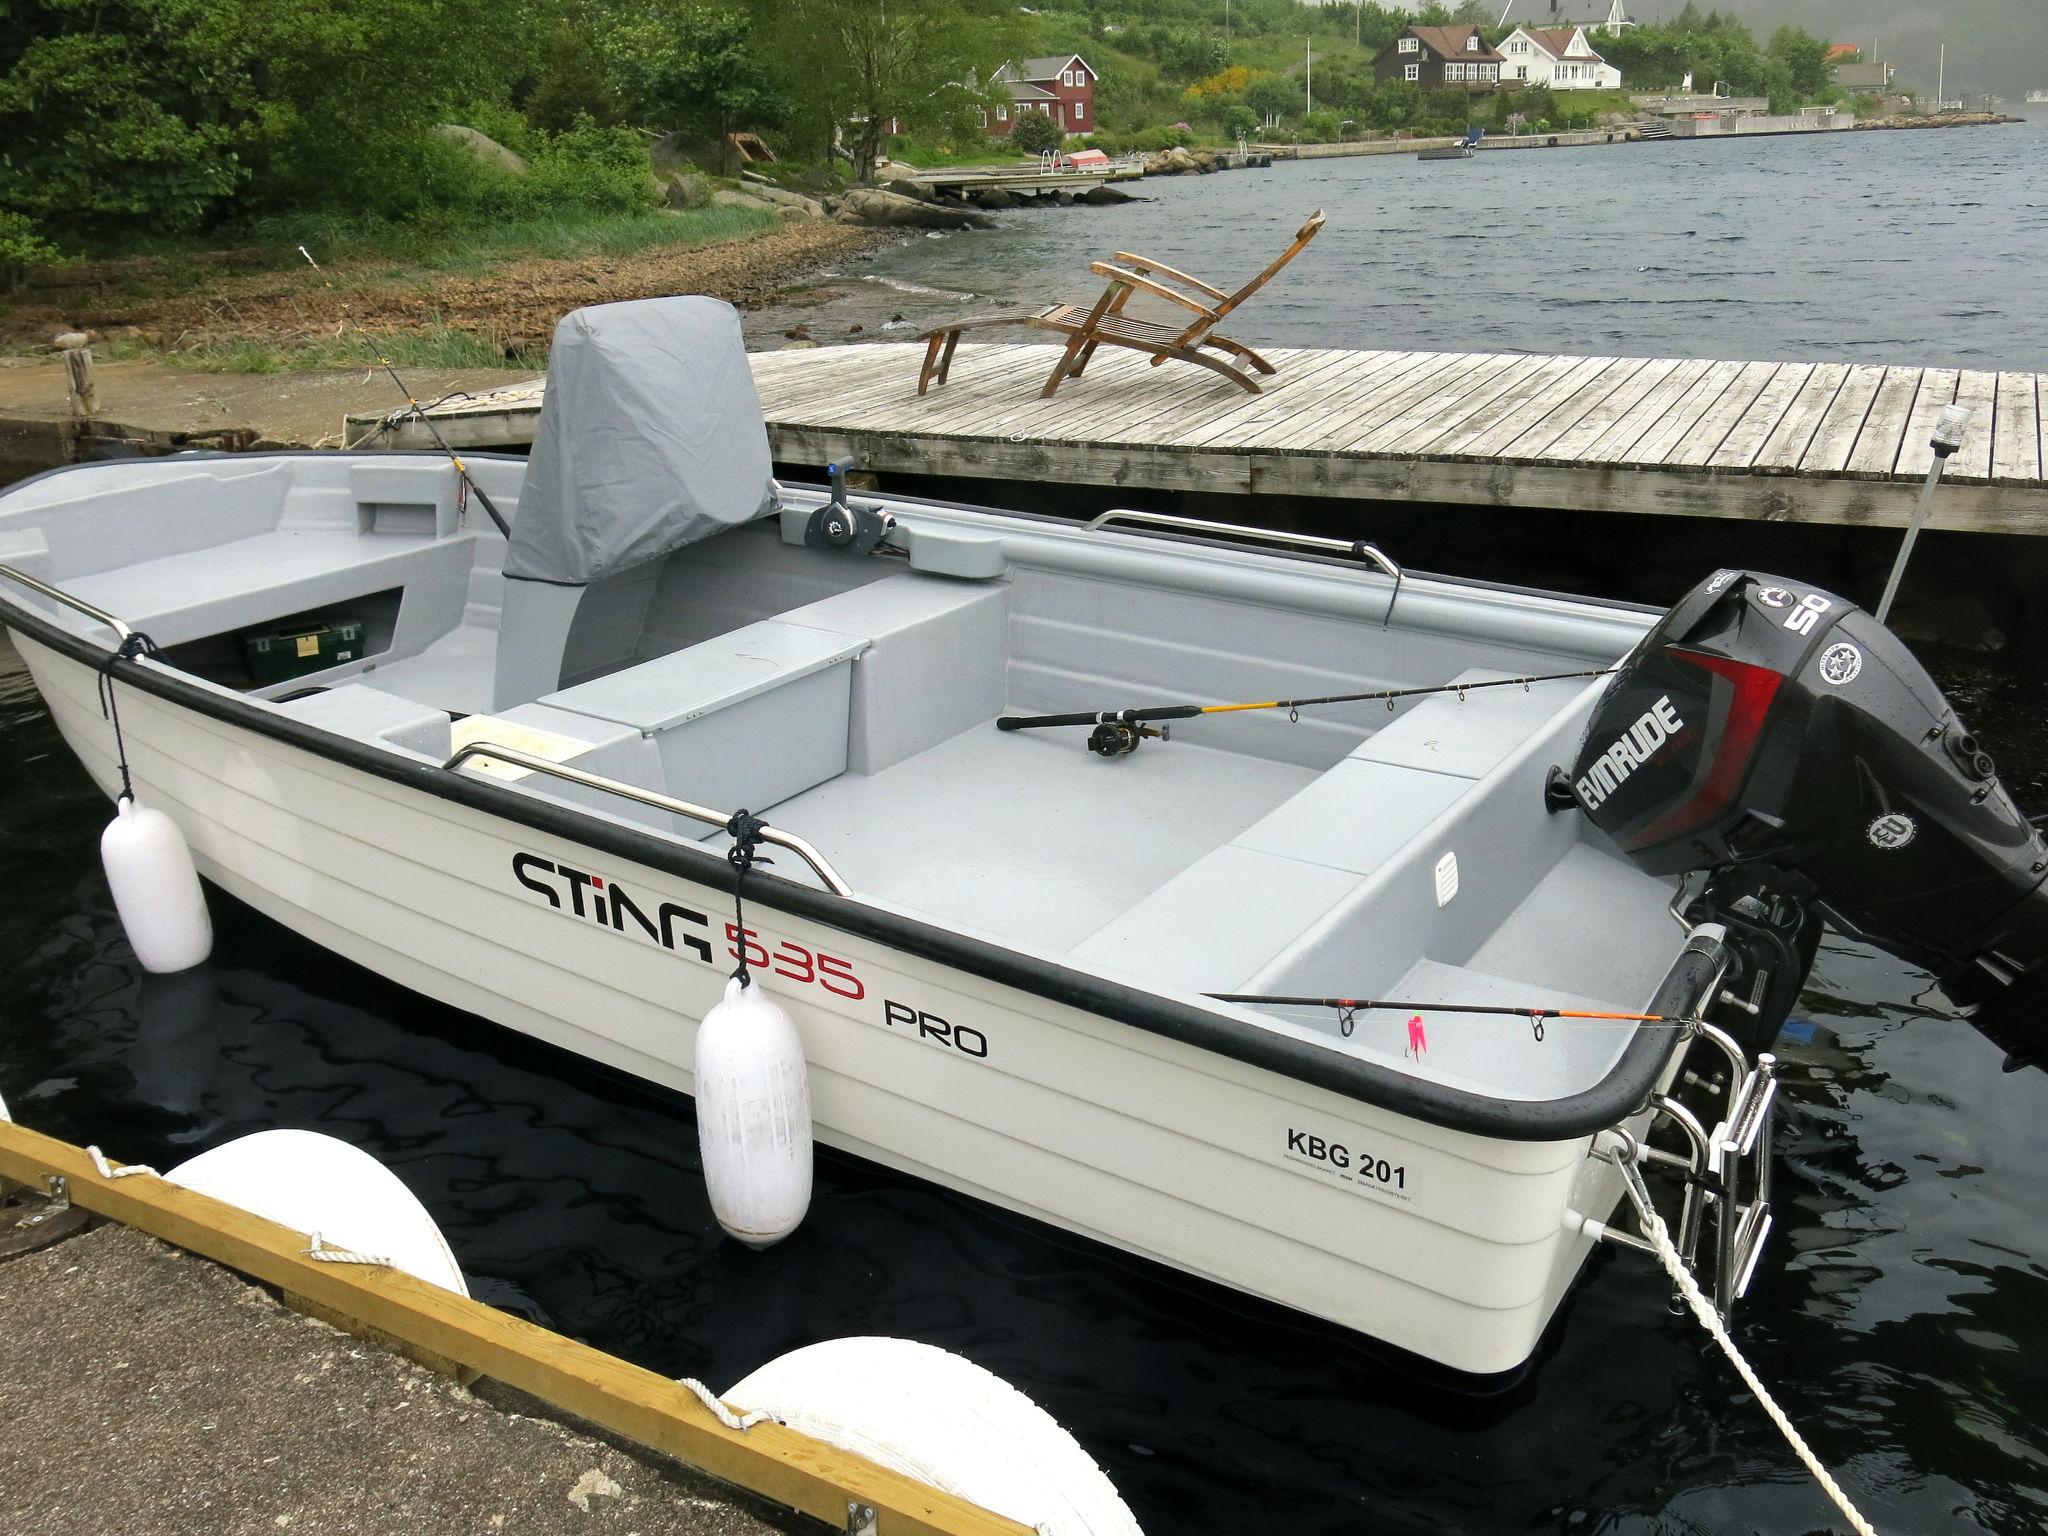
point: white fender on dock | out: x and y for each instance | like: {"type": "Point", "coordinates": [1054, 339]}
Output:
{"type": "Point", "coordinates": [156, 889]}
{"type": "Point", "coordinates": [753, 1116]}
{"type": "Point", "coordinates": [945, 1421]}
{"type": "Point", "coordinates": [313, 1183]}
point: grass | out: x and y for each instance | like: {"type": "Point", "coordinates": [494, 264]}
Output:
{"type": "Point", "coordinates": [927, 158]}
{"type": "Point", "coordinates": [432, 247]}
{"type": "Point", "coordinates": [438, 346]}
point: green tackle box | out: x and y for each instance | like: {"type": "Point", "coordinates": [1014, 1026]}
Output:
{"type": "Point", "coordinates": [295, 649]}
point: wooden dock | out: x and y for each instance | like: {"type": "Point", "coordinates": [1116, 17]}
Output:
{"type": "Point", "coordinates": [1799, 442]}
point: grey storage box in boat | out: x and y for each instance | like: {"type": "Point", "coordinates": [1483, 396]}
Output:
{"type": "Point", "coordinates": [745, 720]}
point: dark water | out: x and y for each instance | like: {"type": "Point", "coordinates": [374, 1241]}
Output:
{"type": "Point", "coordinates": [1921, 248]}
{"type": "Point", "coordinates": [1902, 1312]}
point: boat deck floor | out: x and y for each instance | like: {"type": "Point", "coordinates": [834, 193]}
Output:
{"type": "Point", "coordinates": [1028, 836]}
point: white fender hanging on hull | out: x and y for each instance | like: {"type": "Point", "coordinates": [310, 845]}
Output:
{"type": "Point", "coordinates": [753, 1116]}
{"type": "Point", "coordinates": [156, 889]}
{"type": "Point", "coordinates": [945, 1421]}
{"type": "Point", "coordinates": [313, 1183]}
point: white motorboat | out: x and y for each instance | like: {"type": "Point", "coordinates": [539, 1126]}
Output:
{"type": "Point", "coordinates": [501, 771]}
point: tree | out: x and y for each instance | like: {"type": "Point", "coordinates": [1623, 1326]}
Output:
{"type": "Point", "coordinates": [1273, 97]}
{"type": "Point", "coordinates": [1240, 121]}
{"type": "Point", "coordinates": [1805, 58]}
{"type": "Point", "coordinates": [1036, 132]}
{"type": "Point", "coordinates": [856, 65]}
{"type": "Point", "coordinates": [691, 68]}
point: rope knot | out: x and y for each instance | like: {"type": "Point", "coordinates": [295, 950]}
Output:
{"type": "Point", "coordinates": [745, 829]}
{"type": "Point", "coordinates": [132, 648]}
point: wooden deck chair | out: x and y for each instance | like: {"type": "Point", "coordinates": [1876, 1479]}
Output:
{"type": "Point", "coordinates": [1107, 324]}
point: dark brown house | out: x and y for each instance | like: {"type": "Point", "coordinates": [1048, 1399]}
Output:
{"type": "Point", "coordinates": [1440, 56]}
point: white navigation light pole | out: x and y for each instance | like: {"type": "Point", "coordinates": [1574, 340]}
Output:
{"type": "Point", "coordinates": [1948, 437]}
{"type": "Point", "coordinates": [1308, 49]}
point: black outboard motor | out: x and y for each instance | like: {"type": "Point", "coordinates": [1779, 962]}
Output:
{"type": "Point", "coordinates": [1782, 740]}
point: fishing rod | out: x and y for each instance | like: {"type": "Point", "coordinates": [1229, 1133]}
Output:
{"type": "Point", "coordinates": [1118, 732]}
{"type": "Point", "coordinates": [1346, 1007]}
{"type": "Point", "coordinates": [461, 469]}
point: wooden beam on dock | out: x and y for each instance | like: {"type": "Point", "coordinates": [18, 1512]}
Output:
{"type": "Point", "coordinates": [1760, 441]}
{"type": "Point", "coordinates": [776, 1462]}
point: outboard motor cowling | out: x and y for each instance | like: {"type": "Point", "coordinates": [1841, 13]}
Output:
{"type": "Point", "coordinates": [1781, 739]}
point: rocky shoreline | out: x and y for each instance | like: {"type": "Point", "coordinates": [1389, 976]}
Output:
{"type": "Point", "coordinates": [1941, 120]}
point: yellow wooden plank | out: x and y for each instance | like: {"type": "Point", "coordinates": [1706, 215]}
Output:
{"type": "Point", "coordinates": [790, 1468]}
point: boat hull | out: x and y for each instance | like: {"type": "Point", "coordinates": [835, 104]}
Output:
{"type": "Point", "coordinates": [1455, 1246]}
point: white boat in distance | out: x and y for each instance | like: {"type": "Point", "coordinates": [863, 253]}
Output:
{"type": "Point", "coordinates": [502, 775]}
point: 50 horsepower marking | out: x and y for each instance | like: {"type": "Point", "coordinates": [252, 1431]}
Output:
{"type": "Point", "coordinates": [1361, 1169]}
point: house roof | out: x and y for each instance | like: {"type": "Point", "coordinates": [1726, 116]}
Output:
{"type": "Point", "coordinates": [1450, 43]}
{"type": "Point", "coordinates": [1021, 90]}
{"type": "Point", "coordinates": [1048, 68]}
{"type": "Point", "coordinates": [1841, 51]}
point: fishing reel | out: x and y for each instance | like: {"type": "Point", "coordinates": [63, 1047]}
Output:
{"type": "Point", "coordinates": [1120, 738]}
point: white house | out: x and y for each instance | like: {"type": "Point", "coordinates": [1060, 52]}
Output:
{"type": "Point", "coordinates": [1559, 57]}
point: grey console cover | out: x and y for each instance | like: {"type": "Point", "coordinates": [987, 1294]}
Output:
{"type": "Point", "coordinates": [650, 438]}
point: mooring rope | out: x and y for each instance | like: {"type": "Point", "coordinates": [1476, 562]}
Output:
{"type": "Point", "coordinates": [1674, 1266]}
{"type": "Point", "coordinates": [132, 648]}
{"type": "Point", "coordinates": [107, 1170]}
{"type": "Point", "coordinates": [318, 1248]}
{"type": "Point", "coordinates": [710, 1399]}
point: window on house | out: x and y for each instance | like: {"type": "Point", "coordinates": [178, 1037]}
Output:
{"type": "Point", "coordinates": [1411, 45]}
{"type": "Point", "coordinates": [1412, 72]}
{"type": "Point", "coordinates": [1080, 110]}
{"type": "Point", "coordinates": [1521, 71]}
{"type": "Point", "coordinates": [1454, 72]}
{"type": "Point", "coordinates": [1472, 43]}
{"type": "Point", "coordinates": [1002, 114]}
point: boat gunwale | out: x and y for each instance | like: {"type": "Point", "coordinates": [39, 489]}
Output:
{"type": "Point", "coordinates": [1620, 1093]}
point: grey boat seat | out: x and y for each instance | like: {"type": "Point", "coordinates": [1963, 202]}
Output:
{"type": "Point", "coordinates": [395, 526]}
{"type": "Point", "coordinates": [1369, 819]}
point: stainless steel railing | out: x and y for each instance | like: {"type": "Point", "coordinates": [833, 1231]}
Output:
{"type": "Point", "coordinates": [1357, 549]}
{"type": "Point", "coordinates": [57, 594]}
{"type": "Point", "coordinates": [796, 845]}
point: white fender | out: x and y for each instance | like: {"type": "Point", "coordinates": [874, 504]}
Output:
{"type": "Point", "coordinates": [156, 889]}
{"type": "Point", "coordinates": [944, 1421]}
{"type": "Point", "coordinates": [753, 1117]}
{"type": "Point", "coordinates": [313, 1183]}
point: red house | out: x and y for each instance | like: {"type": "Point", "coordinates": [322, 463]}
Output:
{"type": "Point", "coordinates": [1061, 87]}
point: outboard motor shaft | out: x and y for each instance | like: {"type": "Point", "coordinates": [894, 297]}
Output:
{"type": "Point", "coordinates": [1782, 740]}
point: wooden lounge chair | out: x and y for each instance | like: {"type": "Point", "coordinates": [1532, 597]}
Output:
{"type": "Point", "coordinates": [1107, 324]}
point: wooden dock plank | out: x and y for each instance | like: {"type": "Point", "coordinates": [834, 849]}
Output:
{"type": "Point", "coordinates": [1569, 444]}
{"type": "Point", "coordinates": [1682, 416]}
{"type": "Point", "coordinates": [1566, 414]}
{"type": "Point", "coordinates": [1876, 452]}
{"type": "Point", "coordinates": [1348, 402]}
{"type": "Point", "coordinates": [1834, 434]}
{"type": "Point", "coordinates": [1771, 410]}
{"type": "Point", "coordinates": [1595, 380]}
{"type": "Point", "coordinates": [1977, 393]}
{"type": "Point", "coordinates": [1634, 422]}
{"type": "Point", "coordinates": [1217, 428]}
{"type": "Point", "coordinates": [1337, 391]}
{"type": "Point", "coordinates": [2016, 447]}
{"type": "Point", "coordinates": [1916, 445]}
{"type": "Point", "coordinates": [1436, 383]}
{"type": "Point", "coordinates": [1443, 407]}
{"type": "Point", "coordinates": [1699, 445]}
{"type": "Point", "coordinates": [1549, 374]}
{"type": "Point", "coordinates": [1455, 415]}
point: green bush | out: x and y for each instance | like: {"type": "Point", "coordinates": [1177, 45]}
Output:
{"type": "Point", "coordinates": [22, 251]}
{"type": "Point", "coordinates": [1036, 132]}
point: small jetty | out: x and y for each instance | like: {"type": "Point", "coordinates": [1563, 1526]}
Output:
{"type": "Point", "coordinates": [154, 1392]}
{"type": "Point", "coordinates": [1840, 443]}
{"type": "Point", "coordinates": [1029, 179]}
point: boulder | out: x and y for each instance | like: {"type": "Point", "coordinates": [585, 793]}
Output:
{"type": "Point", "coordinates": [994, 197]}
{"type": "Point", "coordinates": [905, 186]}
{"type": "Point", "coordinates": [870, 205]}
{"type": "Point", "coordinates": [1104, 195]}
{"type": "Point", "coordinates": [686, 189]}
{"type": "Point", "coordinates": [796, 202]}
{"type": "Point", "coordinates": [1177, 161]}
{"type": "Point", "coordinates": [483, 148]}
{"type": "Point", "coordinates": [725, 197]}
